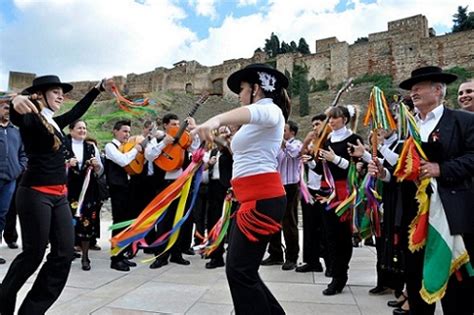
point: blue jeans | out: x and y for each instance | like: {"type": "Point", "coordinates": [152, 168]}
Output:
{"type": "Point", "coordinates": [7, 188]}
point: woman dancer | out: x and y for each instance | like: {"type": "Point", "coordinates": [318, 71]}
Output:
{"type": "Point", "coordinates": [256, 183]}
{"type": "Point", "coordinates": [339, 232]}
{"type": "Point", "coordinates": [43, 208]}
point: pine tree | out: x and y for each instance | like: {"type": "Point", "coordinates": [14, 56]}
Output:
{"type": "Point", "coordinates": [294, 47]}
{"type": "Point", "coordinates": [303, 47]}
{"type": "Point", "coordinates": [272, 45]}
{"type": "Point", "coordinates": [462, 20]}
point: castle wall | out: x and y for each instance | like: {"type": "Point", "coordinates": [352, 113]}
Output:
{"type": "Point", "coordinates": [404, 46]}
{"type": "Point", "coordinates": [17, 81]}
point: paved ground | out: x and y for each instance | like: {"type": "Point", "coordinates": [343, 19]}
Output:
{"type": "Point", "coordinates": [176, 289]}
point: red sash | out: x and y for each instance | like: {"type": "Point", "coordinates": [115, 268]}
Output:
{"type": "Point", "coordinates": [248, 190]}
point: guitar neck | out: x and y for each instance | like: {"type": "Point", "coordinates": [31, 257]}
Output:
{"type": "Point", "coordinates": [191, 113]}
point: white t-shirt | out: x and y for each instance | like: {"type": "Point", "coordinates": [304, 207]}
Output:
{"type": "Point", "coordinates": [255, 146]}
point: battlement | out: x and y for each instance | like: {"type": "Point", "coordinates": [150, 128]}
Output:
{"type": "Point", "coordinates": [406, 44]}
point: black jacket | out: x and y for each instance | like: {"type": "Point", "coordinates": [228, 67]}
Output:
{"type": "Point", "coordinates": [455, 155]}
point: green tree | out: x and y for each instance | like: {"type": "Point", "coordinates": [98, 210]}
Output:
{"type": "Point", "coordinates": [285, 48]}
{"type": "Point", "coordinates": [294, 47]}
{"type": "Point", "coordinates": [463, 20]}
{"type": "Point", "coordinates": [303, 47]}
{"type": "Point", "coordinates": [272, 45]}
{"type": "Point", "coordinates": [361, 40]}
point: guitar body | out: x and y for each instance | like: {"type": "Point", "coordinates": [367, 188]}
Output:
{"type": "Point", "coordinates": [136, 166]}
{"type": "Point", "coordinates": [172, 156]}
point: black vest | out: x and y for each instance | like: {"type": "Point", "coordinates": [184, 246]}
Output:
{"type": "Point", "coordinates": [115, 174]}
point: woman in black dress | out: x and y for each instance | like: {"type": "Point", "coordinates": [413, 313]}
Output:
{"type": "Point", "coordinates": [85, 161]}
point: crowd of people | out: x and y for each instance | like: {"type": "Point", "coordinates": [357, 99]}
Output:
{"type": "Point", "coordinates": [57, 184]}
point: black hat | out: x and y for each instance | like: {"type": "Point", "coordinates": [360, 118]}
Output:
{"type": "Point", "coordinates": [268, 78]}
{"type": "Point", "coordinates": [47, 81]}
{"type": "Point", "coordinates": [430, 73]}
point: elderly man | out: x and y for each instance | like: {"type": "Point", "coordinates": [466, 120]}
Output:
{"type": "Point", "coordinates": [466, 95]}
{"type": "Point", "coordinates": [448, 140]}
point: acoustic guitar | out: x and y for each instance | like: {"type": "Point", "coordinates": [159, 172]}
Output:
{"type": "Point", "coordinates": [172, 156]}
{"type": "Point", "coordinates": [136, 165]}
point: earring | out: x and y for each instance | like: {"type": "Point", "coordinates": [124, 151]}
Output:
{"type": "Point", "coordinates": [253, 94]}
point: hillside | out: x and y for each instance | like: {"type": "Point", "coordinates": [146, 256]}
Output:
{"type": "Point", "coordinates": [102, 115]}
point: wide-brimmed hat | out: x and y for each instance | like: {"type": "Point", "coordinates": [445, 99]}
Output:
{"type": "Point", "coordinates": [267, 77]}
{"type": "Point", "coordinates": [430, 73]}
{"type": "Point", "coordinates": [45, 82]}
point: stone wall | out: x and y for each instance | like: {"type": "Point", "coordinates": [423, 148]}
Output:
{"type": "Point", "coordinates": [404, 46]}
{"type": "Point", "coordinates": [17, 81]}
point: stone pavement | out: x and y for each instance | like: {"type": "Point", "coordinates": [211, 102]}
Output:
{"type": "Point", "coordinates": [175, 289]}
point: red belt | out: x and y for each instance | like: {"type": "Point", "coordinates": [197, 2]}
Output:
{"type": "Point", "coordinates": [248, 190]}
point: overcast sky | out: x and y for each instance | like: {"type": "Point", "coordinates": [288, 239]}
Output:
{"type": "Point", "coordinates": [92, 39]}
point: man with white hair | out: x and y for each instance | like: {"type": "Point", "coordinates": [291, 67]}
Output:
{"type": "Point", "coordinates": [448, 140]}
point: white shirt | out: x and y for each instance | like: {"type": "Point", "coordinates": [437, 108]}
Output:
{"type": "Point", "coordinates": [154, 149]}
{"type": "Point", "coordinates": [314, 179]}
{"type": "Point", "coordinates": [113, 153]}
{"type": "Point", "coordinates": [256, 144]}
{"type": "Point", "coordinates": [78, 150]}
{"type": "Point", "coordinates": [48, 114]}
{"type": "Point", "coordinates": [429, 123]}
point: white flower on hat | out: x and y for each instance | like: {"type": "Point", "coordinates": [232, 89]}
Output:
{"type": "Point", "coordinates": [267, 81]}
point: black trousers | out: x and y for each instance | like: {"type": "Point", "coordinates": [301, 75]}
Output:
{"type": "Point", "coordinates": [458, 299]}
{"type": "Point", "coordinates": [339, 238]}
{"type": "Point", "coordinates": [184, 237]}
{"type": "Point", "coordinates": [43, 218]}
{"type": "Point", "coordinates": [119, 199]}
{"type": "Point", "coordinates": [249, 293]}
{"type": "Point", "coordinates": [200, 212]}
{"type": "Point", "coordinates": [10, 234]}
{"type": "Point", "coordinates": [289, 227]}
{"type": "Point", "coordinates": [312, 230]}
{"type": "Point", "coordinates": [217, 193]}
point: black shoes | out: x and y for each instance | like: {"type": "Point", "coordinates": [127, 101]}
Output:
{"type": "Point", "coordinates": [86, 265]}
{"type": "Point", "coordinates": [397, 303]}
{"type": "Point", "coordinates": [129, 263]}
{"type": "Point", "coordinates": [369, 242]}
{"type": "Point", "coordinates": [288, 265]}
{"type": "Point", "coordinates": [119, 265]}
{"type": "Point", "coordinates": [270, 261]}
{"type": "Point", "coordinates": [12, 245]}
{"type": "Point", "coordinates": [378, 290]}
{"type": "Point", "coordinates": [189, 252]}
{"type": "Point", "coordinates": [215, 263]}
{"type": "Point", "coordinates": [95, 247]}
{"type": "Point", "coordinates": [335, 286]}
{"type": "Point", "coordinates": [310, 268]}
{"type": "Point", "coordinates": [180, 260]}
{"type": "Point", "coordinates": [158, 263]}
{"type": "Point", "coordinates": [400, 311]}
